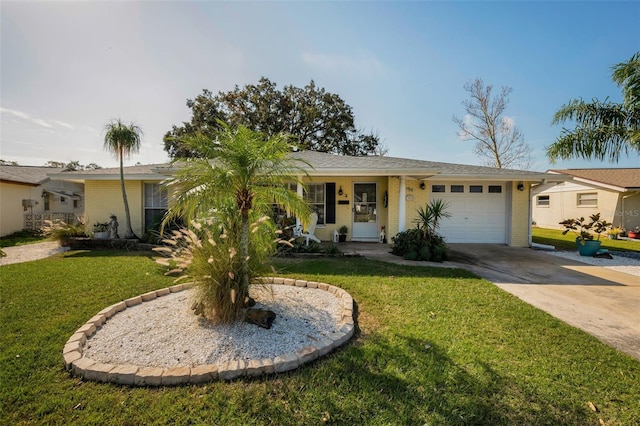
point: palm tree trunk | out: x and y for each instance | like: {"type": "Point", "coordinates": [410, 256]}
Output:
{"type": "Point", "coordinates": [129, 234]}
{"type": "Point", "coordinates": [244, 255]}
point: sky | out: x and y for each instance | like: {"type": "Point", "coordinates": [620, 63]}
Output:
{"type": "Point", "coordinates": [68, 68]}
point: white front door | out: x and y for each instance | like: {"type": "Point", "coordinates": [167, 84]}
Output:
{"type": "Point", "coordinates": [365, 212]}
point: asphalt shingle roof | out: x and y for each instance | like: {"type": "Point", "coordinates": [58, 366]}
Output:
{"type": "Point", "coordinates": [337, 165]}
{"type": "Point", "coordinates": [628, 178]}
{"type": "Point", "coordinates": [32, 175]}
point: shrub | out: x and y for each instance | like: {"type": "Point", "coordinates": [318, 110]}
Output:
{"type": "Point", "coordinates": [58, 230]}
{"type": "Point", "coordinates": [208, 255]}
{"type": "Point", "coordinates": [413, 244]}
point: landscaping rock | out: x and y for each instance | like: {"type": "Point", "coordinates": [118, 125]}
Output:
{"type": "Point", "coordinates": [261, 317]}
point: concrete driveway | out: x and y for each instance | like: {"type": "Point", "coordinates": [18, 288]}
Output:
{"type": "Point", "coordinates": [600, 301]}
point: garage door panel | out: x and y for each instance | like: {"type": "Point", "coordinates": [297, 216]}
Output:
{"type": "Point", "coordinates": [475, 217]}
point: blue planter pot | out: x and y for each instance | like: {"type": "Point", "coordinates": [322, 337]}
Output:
{"type": "Point", "coordinates": [588, 248]}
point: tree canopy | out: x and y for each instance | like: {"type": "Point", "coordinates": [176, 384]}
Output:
{"type": "Point", "coordinates": [603, 130]}
{"type": "Point", "coordinates": [499, 143]}
{"type": "Point", "coordinates": [317, 120]}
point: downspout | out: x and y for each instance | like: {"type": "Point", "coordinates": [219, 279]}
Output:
{"type": "Point", "coordinates": [529, 225]}
{"type": "Point", "coordinates": [402, 216]}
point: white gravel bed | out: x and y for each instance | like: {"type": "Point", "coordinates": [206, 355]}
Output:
{"type": "Point", "coordinates": [164, 332]}
{"type": "Point", "coordinates": [618, 263]}
{"type": "Point", "coordinates": [29, 252]}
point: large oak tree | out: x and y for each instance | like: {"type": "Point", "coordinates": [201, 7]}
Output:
{"type": "Point", "coordinates": [315, 119]}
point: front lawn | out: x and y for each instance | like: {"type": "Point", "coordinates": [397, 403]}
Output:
{"type": "Point", "coordinates": [491, 359]}
{"type": "Point", "coordinates": [555, 238]}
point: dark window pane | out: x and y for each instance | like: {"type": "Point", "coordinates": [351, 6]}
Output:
{"type": "Point", "coordinates": [457, 188]}
{"type": "Point", "coordinates": [476, 189]}
{"type": "Point", "coordinates": [437, 188]}
{"type": "Point", "coordinates": [495, 189]}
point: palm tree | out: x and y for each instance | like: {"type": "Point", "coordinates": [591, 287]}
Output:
{"type": "Point", "coordinates": [236, 180]}
{"type": "Point", "coordinates": [122, 140]}
{"type": "Point", "coordinates": [604, 130]}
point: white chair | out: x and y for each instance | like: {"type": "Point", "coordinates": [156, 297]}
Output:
{"type": "Point", "coordinates": [297, 231]}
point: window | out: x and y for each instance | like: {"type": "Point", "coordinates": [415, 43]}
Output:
{"type": "Point", "coordinates": [542, 201]}
{"type": "Point", "coordinates": [457, 188]}
{"type": "Point", "coordinates": [589, 199]}
{"type": "Point", "coordinates": [76, 204]}
{"type": "Point", "coordinates": [63, 200]}
{"type": "Point", "coordinates": [495, 189]}
{"type": "Point", "coordinates": [475, 189]}
{"type": "Point", "coordinates": [315, 197]}
{"type": "Point", "coordinates": [155, 204]}
{"type": "Point", "coordinates": [437, 188]}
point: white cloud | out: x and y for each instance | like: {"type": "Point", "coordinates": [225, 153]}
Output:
{"type": "Point", "coordinates": [48, 124]}
{"type": "Point", "coordinates": [361, 64]}
{"type": "Point", "coordinates": [63, 124]}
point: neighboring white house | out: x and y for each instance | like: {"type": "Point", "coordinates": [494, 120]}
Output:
{"type": "Point", "coordinates": [366, 194]}
{"type": "Point", "coordinates": [28, 196]}
{"type": "Point", "coordinates": [614, 193]}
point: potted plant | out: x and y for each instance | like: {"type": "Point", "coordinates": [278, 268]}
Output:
{"type": "Point", "coordinates": [585, 231]}
{"type": "Point", "coordinates": [614, 233]}
{"type": "Point", "coordinates": [342, 233]}
{"type": "Point", "coordinates": [635, 234]}
{"type": "Point", "coordinates": [101, 230]}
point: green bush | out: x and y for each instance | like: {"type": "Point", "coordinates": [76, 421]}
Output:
{"type": "Point", "coordinates": [413, 244]}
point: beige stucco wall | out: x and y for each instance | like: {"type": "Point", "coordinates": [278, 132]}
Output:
{"type": "Point", "coordinates": [11, 211]}
{"type": "Point", "coordinates": [563, 204]}
{"type": "Point", "coordinates": [105, 198]}
{"type": "Point", "coordinates": [11, 196]}
{"type": "Point", "coordinates": [520, 225]}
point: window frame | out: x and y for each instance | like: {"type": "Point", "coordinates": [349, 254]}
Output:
{"type": "Point", "coordinates": [583, 197]}
{"type": "Point", "coordinates": [540, 202]}
{"type": "Point", "coordinates": [314, 204]}
{"type": "Point", "coordinates": [148, 220]}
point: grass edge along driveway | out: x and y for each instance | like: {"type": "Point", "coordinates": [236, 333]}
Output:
{"type": "Point", "coordinates": [492, 358]}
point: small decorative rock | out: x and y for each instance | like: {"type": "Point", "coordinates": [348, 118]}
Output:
{"type": "Point", "coordinates": [261, 317]}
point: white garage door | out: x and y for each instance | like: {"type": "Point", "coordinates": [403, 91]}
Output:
{"type": "Point", "coordinates": [478, 212]}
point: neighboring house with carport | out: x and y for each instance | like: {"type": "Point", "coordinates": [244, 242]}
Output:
{"type": "Point", "coordinates": [367, 194]}
{"type": "Point", "coordinates": [28, 197]}
{"type": "Point", "coordinates": [612, 192]}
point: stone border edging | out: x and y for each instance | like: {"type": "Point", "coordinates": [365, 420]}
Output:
{"type": "Point", "coordinates": [135, 375]}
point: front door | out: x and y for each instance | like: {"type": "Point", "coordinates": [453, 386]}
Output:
{"type": "Point", "coordinates": [365, 212]}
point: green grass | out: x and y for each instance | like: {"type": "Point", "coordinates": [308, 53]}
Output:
{"type": "Point", "coordinates": [493, 359]}
{"type": "Point", "coordinates": [555, 238]}
{"type": "Point", "coordinates": [21, 238]}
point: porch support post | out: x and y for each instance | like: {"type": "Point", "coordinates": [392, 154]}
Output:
{"type": "Point", "coordinates": [402, 217]}
{"type": "Point", "coordinates": [300, 192]}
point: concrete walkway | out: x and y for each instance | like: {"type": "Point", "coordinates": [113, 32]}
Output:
{"type": "Point", "coordinates": [600, 301]}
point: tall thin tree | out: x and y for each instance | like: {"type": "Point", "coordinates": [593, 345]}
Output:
{"type": "Point", "coordinates": [122, 140]}
{"type": "Point", "coordinates": [499, 143]}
